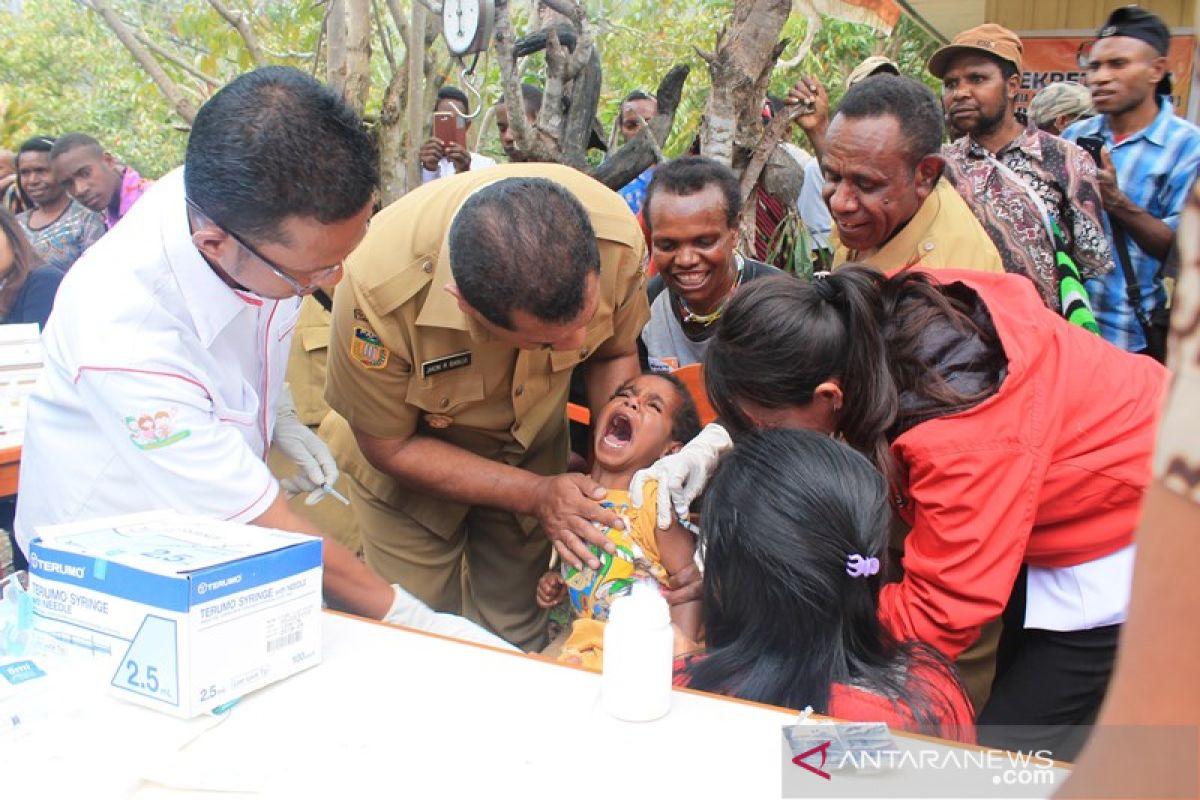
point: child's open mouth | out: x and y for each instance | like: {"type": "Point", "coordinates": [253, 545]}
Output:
{"type": "Point", "coordinates": [619, 431]}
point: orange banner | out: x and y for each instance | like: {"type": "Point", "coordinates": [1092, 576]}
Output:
{"type": "Point", "coordinates": [1051, 59]}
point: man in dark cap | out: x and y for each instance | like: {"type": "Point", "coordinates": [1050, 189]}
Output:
{"type": "Point", "coordinates": [1014, 176]}
{"type": "Point", "coordinates": [1149, 160]}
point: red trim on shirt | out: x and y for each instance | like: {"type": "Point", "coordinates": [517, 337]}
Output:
{"type": "Point", "coordinates": [264, 380]}
{"type": "Point", "coordinates": [261, 495]}
{"type": "Point", "coordinates": [185, 378]}
{"type": "Point", "coordinates": [250, 299]}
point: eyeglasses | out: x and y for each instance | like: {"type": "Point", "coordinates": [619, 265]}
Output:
{"type": "Point", "coordinates": [315, 279]}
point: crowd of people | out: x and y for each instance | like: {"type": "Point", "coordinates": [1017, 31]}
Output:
{"type": "Point", "coordinates": [904, 489]}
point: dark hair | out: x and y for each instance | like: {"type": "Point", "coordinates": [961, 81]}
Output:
{"type": "Point", "coordinates": [780, 338]}
{"type": "Point", "coordinates": [910, 102]}
{"type": "Point", "coordinates": [34, 144]}
{"type": "Point", "coordinates": [688, 175]}
{"type": "Point", "coordinates": [638, 94]}
{"type": "Point", "coordinates": [276, 143]}
{"type": "Point", "coordinates": [539, 266]}
{"type": "Point", "coordinates": [686, 424]}
{"type": "Point", "coordinates": [456, 94]}
{"type": "Point", "coordinates": [783, 620]}
{"type": "Point", "coordinates": [70, 141]}
{"type": "Point", "coordinates": [531, 98]}
{"type": "Point", "coordinates": [25, 260]}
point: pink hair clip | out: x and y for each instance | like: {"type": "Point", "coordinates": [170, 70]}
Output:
{"type": "Point", "coordinates": [859, 567]}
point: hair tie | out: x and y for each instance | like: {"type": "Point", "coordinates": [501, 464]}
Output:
{"type": "Point", "coordinates": [859, 567]}
{"type": "Point", "coordinates": [825, 288]}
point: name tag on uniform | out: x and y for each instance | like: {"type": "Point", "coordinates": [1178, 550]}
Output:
{"type": "Point", "coordinates": [445, 363]}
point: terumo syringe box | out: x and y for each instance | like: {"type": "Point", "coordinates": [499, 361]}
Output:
{"type": "Point", "coordinates": [185, 614]}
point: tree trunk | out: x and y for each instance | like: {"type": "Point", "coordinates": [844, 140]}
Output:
{"type": "Point", "coordinates": [390, 133]}
{"type": "Point", "coordinates": [415, 111]}
{"type": "Point", "coordinates": [740, 68]}
{"type": "Point", "coordinates": [336, 64]}
{"type": "Point", "coordinates": [358, 53]}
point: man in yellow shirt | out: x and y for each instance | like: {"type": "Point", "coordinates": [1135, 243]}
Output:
{"type": "Point", "coordinates": [463, 314]}
{"type": "Point", "coordinates": [883, 184]}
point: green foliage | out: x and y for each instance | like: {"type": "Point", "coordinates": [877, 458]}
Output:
{"type": "Point", "coordinates": [65, 72]}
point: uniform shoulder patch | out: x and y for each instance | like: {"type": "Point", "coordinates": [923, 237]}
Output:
{"type": "Point", "coordinates": [367, 349]}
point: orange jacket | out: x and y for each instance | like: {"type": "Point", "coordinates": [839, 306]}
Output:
{"type": "Point", "coordinates": [1049, 471]}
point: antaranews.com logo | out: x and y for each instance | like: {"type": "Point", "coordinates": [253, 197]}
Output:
{"type": "Point", "coordinates": [826, 759]}
{"type": "Point", "coordinates": [821, 758]}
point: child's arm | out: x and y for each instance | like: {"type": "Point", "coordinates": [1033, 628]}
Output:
{"type": "Point", "coordinates": [677, 549]}
{"type": "Point", "coordinates": [551, 590]}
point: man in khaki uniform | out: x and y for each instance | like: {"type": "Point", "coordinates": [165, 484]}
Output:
{"type": "Point", "coordinates": [454, 336]}
{"type": "Point", "coordinates": [890, 205]}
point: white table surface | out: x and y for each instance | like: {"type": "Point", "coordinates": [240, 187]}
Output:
{"type": "Point", "coordinates": [397, 713]}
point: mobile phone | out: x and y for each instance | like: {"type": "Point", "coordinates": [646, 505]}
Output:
{"type": "Point", "coordinates": [448, 127]}
{"type": "Point", "coordinates": [1093, 145]}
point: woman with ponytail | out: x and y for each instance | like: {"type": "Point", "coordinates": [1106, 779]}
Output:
{"type": "Point", "coordinates": [1015, 446]}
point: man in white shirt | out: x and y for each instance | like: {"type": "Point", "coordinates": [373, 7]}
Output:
{"type": "Point", "coordinates": [165, 357]}
{"type": "Point", "coordinates": [441, 159]}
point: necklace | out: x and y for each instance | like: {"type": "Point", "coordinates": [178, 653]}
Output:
{"type": "Point", "coordinates": [705, 320]}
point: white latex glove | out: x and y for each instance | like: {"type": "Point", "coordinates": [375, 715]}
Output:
{"type": "Point", "coordinates": [683, 475]}
{"type": "Point", "coordinates": [302, 446]}
{"type": "Point", "coordinates": [410, 612]}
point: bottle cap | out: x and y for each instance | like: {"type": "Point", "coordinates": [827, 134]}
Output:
{"type": "Point", "coordinates": [643, 607]}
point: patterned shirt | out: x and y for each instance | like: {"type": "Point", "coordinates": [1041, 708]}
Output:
{"type": "Point", "coordinates": [1062, 175]}
{"type": "Point", "coordinates": [1155, 168]}
{"type": "Point", "coordinates": [63, 241]}
{"type": "Point", "coordinates": [133, 186]}
{"type": "Point", "coordinates": [634, 192]}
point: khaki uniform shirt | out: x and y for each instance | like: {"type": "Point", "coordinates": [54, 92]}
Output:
{"type": "Point", "coordinates": [942, 234]}
{"type": "Point", "coordinates": [306, 363]}
{"type": "Point", "coordinates": [404, 360]}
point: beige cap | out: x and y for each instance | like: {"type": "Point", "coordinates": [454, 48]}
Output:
{"type": "Point", "coordinates": [993, 39]}
{"type": "Point", "coordinates": [1057, 99]}
{"type": "Point", "coordinates": [869, 67]}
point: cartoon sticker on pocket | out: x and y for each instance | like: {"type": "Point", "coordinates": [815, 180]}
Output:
{"type": "Point", "coordinates": [367, 349]}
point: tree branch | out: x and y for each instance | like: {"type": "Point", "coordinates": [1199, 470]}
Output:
{"type": "Point", "coordinates": [316, 54]}
{"type": "Point", "coordinates": [435, 8]}
{"type": "Point", "coordinates": [171, 91]}
{"type": "Point", "coordinates": [398, 18]}
{"type": "Point", "coordinates": [568, 8]}
{"type": "Point", "coordinates": [238, 20]}
{"type": "Point", "coordinates": [771, 138]}
{"type": "Point", "coordinates": [177, 61]}
{"type": "Point", "coordinates": [382, 31]}
{"type": "Point", "coordinates": [641, 151]}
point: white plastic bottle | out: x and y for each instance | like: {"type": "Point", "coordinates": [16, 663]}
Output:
{"type": "Point", "coordinates": [638, 645]}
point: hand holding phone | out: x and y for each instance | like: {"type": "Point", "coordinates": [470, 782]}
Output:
{"type": "Point", "coordinates": [1093, 145]}
{"type": "Point", "coordinates": [449, 127]}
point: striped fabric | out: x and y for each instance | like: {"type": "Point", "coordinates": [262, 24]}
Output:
{"type": "Point", "coordinates": [1155, 169]}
